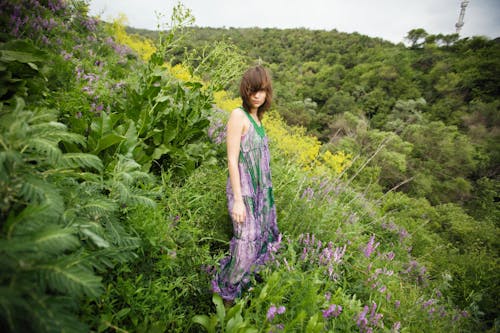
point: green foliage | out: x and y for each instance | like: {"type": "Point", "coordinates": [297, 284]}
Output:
{"type": "Point", "coordinates": [416, 37]}
{"type": "Point", "coordinates": [171, 125]}
{"type": "Point", "coordinates": [440, 172]}
{"type": "Point", "coordinates": [92, 239]}
{"type": "Point", "coordinates": [22, 69]}
{"type": "Point", "coordinates": [51, 247]}
{"type": "Point", "coordinates": [232, 321]}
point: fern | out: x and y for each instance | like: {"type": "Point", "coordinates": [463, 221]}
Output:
{"type": "Point", "coordinates": [51, 314]}
{"type": "Point", "coordinates": [98, 208]}
{"type": "Point", "coordinates": [43, 147]}
{"type": "Point", "coordinates": [55, 240]}
{"type": "Point", "coordinates": [81, 160]}
{"type": "Point", "coordinates": [76, 280]}
{"type": "Point", "coordinates": [142, 200]}
{"type": "Point", "coordinates": [36, 190]}
{"type": "Point", "coordinates": [48, 241]}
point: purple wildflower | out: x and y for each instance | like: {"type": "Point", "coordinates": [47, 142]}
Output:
{"type": "Point", "coordinates": [308, 194]}
{"type": "Point", "coordinates": [396, 327]}
{"type": "Point", "coordinates": [328, 295]}
{"type": "Point", "coordinates": [403, 234]}
{"type": "Point", "coordinates": [271, 312]}
{"type": "Point", "coordinates": [66, 56]}
{"type": "Point", "coordinates": [338, 254]}
{"type": "Point", "coordinates": [332, 311]}
{"type": "Point", "coordinates": [288, 268]}
{"type": "Point", "coordinates": [362, 321]}
{"type": "Point", "coordinates": [428, 303]}
{"type": "Point", "coordinates": [397, 304]}
{"type": "Point", "coordinates": [90, 23]}
{"type": "Point", "coordinates": [303, 256]}
{"type": "Point", "coordinates": [370, 246]}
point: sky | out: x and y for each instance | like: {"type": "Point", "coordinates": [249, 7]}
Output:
{"type": "Point", "coordinates": [387, 19]}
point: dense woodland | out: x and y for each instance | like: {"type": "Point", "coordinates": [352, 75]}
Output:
{"type": "Point", "coordinates": [113, 215]}
{"type": "Point", "coordinates": [437, 101]}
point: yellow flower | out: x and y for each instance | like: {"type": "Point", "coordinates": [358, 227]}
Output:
{"type": "Point", "coordinates": [297, 146]}
{"type": "Point", "coordinates": [142, 46]}
{"type": "Point", "coordinates": [224, 101]}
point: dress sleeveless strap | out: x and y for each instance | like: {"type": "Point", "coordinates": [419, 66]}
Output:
{"type": "Point", "coordinates": [259, 129]}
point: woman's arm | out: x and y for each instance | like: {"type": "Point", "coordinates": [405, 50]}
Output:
{"type": "Point", "coordinates": [235, 128]}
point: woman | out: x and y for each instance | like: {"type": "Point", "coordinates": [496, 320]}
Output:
{"type": "Point", "coordinates": [249, 188]}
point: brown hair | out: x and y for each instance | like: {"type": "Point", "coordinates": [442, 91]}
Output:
{"type": "Point", "coordinates": [255, 79]}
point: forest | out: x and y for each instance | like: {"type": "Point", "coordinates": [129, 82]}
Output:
{"type": "Point", "coordinates": [113, 170]}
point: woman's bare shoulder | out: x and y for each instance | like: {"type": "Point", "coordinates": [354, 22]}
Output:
{"type": "Point", "coordinates": [239, 113]}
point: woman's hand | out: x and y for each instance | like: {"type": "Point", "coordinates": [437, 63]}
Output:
{"type": "Point", "coordinates": [239, 212]}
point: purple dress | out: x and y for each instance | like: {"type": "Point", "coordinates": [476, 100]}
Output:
{"type": "Point", "coordinates": [250, 244]}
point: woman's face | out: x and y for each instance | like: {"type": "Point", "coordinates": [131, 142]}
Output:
{"type": "Point", "coordinates": [258, 98]}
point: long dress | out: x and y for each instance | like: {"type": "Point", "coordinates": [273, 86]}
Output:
{"type": "Point", "coordinates": [252, 239]}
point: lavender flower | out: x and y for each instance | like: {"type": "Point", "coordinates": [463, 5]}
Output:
{"type": "Point", "coordinates": [403, 234]}
{"type": "Point", "coordinates": [308, 194]}
{"type": "Point", "coordinates": [428, 303]}
{"type": "Point", "coordinates": [338, 254]}
{"type": "Point", "coordinates": [271, 312]}
{"type": "Point", "coordinates": [362, 321]}
{"type": "Point", "coordinates": [66, 56]}
{"type": "Point", "coordinates": [90, 23]}
{"type": "Point", "coordinates": [370, 246]}
{"type": "Point", "coordinates": [332, 311]}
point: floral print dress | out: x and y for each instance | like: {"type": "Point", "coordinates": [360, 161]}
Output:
{"type": "Point", "coordinates": [253, 238]}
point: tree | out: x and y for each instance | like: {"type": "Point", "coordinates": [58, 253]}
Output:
{"type": "Point", "coordinates": [416, 37]}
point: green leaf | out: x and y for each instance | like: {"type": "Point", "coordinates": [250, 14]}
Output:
{"type": "Point", "coordinates": [219, 307]}
{"type": "Point", "coordinates": [73, 279]}
{"type": "Point", "coordinates": [313, 326]}
{"type": "Point", "coordinates": [205, 321]}
{"type": "Point", "coordinates": [160, 151]}
{"type": "Point", "coordinates": [81, 160]}
{"type": "Point", "coordinates": [24, 57]}
{"type": "Point", "coordinates": [122, 313]}
{"type": "Point", "coordinates": [96, 239]}
{"type": "Point", "coordinates": [55, 240]}
{"type": "Point", "coordinates": [107, 141]}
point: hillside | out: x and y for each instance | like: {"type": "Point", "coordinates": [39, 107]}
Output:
{"type": "Point", "coordinates": [113, 171]}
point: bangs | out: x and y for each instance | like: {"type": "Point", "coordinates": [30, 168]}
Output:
{"type": "Point", "coordinates": [256, 79]}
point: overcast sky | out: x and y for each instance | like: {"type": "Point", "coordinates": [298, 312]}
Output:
{"type": "Point", "coordinates": [387, 19]}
